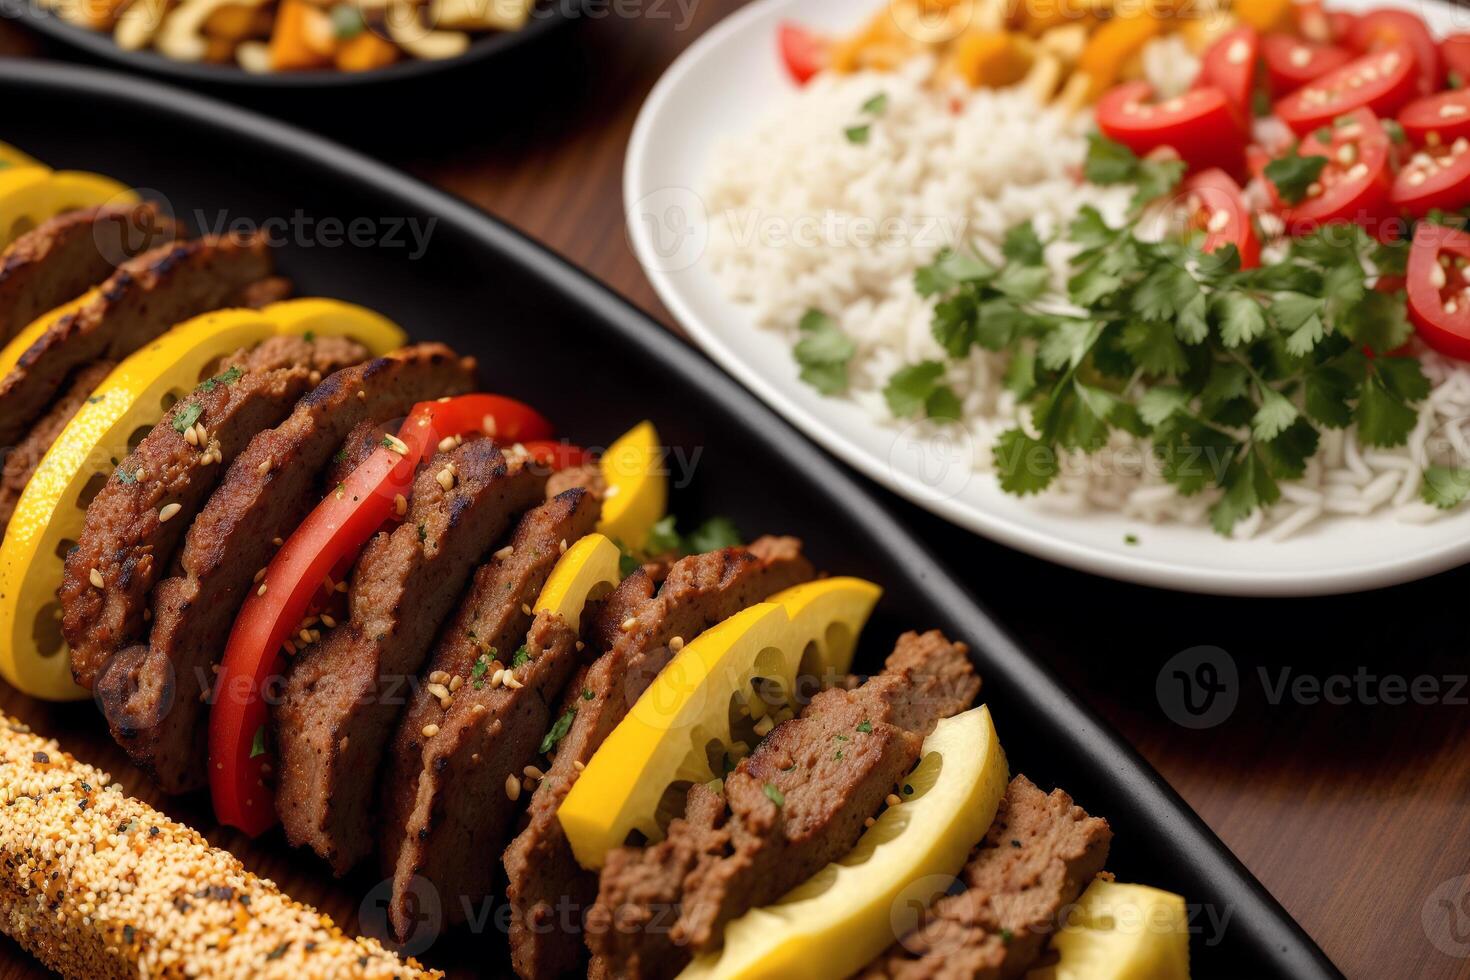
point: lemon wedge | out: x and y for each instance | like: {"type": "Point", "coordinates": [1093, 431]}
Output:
{"type": "Point", "coordinates": [637, 486]}
{"type": "Point", "coordinates": [31, 195]}
{"type": "Point", "coordinates": [11, 157]}
{"type": "Point", "coordinates": [49, 517]}
{"type": "Point", "coordinates": [32, 332]}
{"type": "Point", "coordinates": [666, 736]}
{"type": "Point", "coordinates": [588, 570]}
{"type": "Point", "coordinates": [838, 920]}
{"type": "Point", "coordinates": [1121, 932]}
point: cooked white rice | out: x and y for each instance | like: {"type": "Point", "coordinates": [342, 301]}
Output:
{"type": "Point", "coordinates": [803, 218]}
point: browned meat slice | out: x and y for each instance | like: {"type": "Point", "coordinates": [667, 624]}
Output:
{"type": "Point", "coordinates": [21, 462]}
{"type": "Point", "coordinates": [60, 259]}
{"type": "Point", "coordinates": [340, 702]}
{"type": "Point", "coordinates": [445, 794]}
{"type": "Point", "coordinates": [356, 448]}
{"type": "Point", "coordinates": [588, 477]}
{"type": "Point", "coordinates": [264, 292]}
{"type": "Point", "coordinates": [547, 888]}
{"type": "Point", "coordinates": [1038, 856]}
{"type": "Point", "coordinates": [143, 298]}
{"type": "Point", "coordinates": [127, 539]}
{"type": "Point", "coordinates": [154, 693]}
{"type": "Point", "coordinates": [796, 804]}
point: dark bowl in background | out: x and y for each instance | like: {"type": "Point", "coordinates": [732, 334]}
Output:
{"type": "Point", "coordinates": [545, 332]}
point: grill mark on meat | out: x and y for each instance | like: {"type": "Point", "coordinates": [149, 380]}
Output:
{"type": "Point", "coordinates": [360, 443]}
{"type": "Point", "coordinates": [714, 865]}
{"type": "Point", "coordinates": [145, 297]}
{"type": "Point", "coordinates": [123, 538]}
{"type": "Point", "coordinates": [546, 885]}
{"type": "Point", "coordinates": [1038, 856]}
{"type": "Point", "coordinates": [21, 462]}
{"type": "Point", "coordinates": [445, 795]}
{"type": "Point", "coordinates": [341, 695]}
{"type": "Point", "coordinates": [61, 258]}
{"type": "Point", "coordinates": [264, 495]}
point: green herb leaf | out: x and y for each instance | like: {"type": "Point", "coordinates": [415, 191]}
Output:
{"type": "Point", "coordinates": [257, 744]}
{"type": "Point", "coordinates": [858, 134]}
{"type": "Point", "coordinates": [1382, 416]}
{"type": "Point", "coordinates": [774, 795]}
{"type": "Point", "coordinates": [1293, 174]}
{"type": "Point", "coordinates": [908, 390]}
{"type": "Point", "coordinates": [477, 672]}
{"type": "Point", "coordinates": [1275, 414]}
{"type": "Point", "coordinates": [1025, 465]}
{"type": "Point", "coordinates": [823, 353]}
{"type": "Point", "coordinates": [224, 378]}
{"type": "Point", "coordinates": [877, 105]}
{"type": "Point", "coordinates": [522, 656]}
{"type": "Point", "coordinates": [1023, 245]}
{"type": "Point", "coordinates": [1239, 317]}
{"type": "Point", "coordinates": [186, 417]}
{"type": "Point", "coordinates": [1445, 486]}
{"type": "Point", "coordinates": [558, 730]}
{"type": "Point", "coordinates": [712, 535]}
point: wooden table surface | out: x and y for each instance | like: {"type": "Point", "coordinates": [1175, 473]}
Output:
{"type": "Point", "coordinates": [1353, 810]}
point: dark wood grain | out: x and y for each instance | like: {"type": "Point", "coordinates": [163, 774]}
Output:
{"type": "Point", "coordinates": [1351, 814]}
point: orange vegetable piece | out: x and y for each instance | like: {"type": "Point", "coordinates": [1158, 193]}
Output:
{"type": "Point", "coordinates": [1265, 15]}
{"type": "Point", "coordinates": [1113, 45]}
{"type": "Point", "coordinates": [365, 52]}
{"type": "Point", "coordinates": [302, 37]}
{"type": "Point", "coordinates": [992, 59]}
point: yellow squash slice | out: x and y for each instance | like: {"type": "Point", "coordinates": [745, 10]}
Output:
{"type": "Point", "coordinates": [31, 195]}
{"type": "Point", "coordinates": [811, 629]}
{"type": "Point", "coordinates": [11, 157]}
{"type": "Point", "coordinates": [638, 491]}
{"type": "Point", "coordinates": [588, 570]}
{"type": "Point", "coordinates": [842, 917]}
{"type": "Point", "coordinates": [129, 401]}
{"type": "Point", "coordinates": [31, 332]}
{"type": "Point", "coordinates": [1121, 932]}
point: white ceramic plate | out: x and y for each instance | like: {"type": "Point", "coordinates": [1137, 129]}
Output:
{"type": "Point", "coordinates": [726, 83]}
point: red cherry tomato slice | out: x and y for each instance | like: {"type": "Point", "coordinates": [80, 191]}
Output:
{"type": "Point", "coordinates": [803, 52]}
{"type": "Point", "coordinates": [1230, 64]}
{"type": "Point", "coordinates": [1388, 28]}
{"type": "Point", "coordinates": [1455, 51]}
{"type": "Point", "coordinates": [1218, 208]}
{"type": "Point", "coordinates": [1200, 125]}
{"type": "Point", "coordinates": [1434, 177]}
{"type": "Point", "coordinates": [1382, 81]}
{"type": "Point", "coordinates": [1439, 294]}
{"type": "Point", "coordinates": [1440, 118]}
{"type": "Point", "coordinates": [327, 542]}
{"type": "Point", "coordinates": [1354, 185]}
{"type": "Point", "coordinates": [1292, 63]}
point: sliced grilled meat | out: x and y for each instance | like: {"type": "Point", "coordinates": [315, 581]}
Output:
{"type": "Point", "coordinates": [341, 697]}
{"type": "Point", "coordinates": [21, 462]}
{"type": "Point", "coordinates": [544, 877]}
{"type": "Point", "coordinates": [360, 443]}
{"type": "Point", "coordinates": [791, 808]}
{"type": "Point", "coordinates": [60, 259]}
{"type": "Point", "coordinates": [144, 297]}
{"type": "Point", "coordinates": [1038, 856]}
{"type": "Point", "coordinates": [445, 795]}
{"type": "Point", "coordinates": [153, 694]}
{"type": "Point", "coordinates": [126, 539]}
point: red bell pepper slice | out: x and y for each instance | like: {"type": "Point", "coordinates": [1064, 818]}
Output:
{"type": "Point", "coordinates": [558, 455]}
{"type": "Point", "coordinates": [326, 543]}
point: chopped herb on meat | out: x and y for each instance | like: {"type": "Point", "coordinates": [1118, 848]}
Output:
{"type": "Point", "coordinates": [523, 656]}
{"type": "Point", "coordinates": [257, 745]}
{"type": "Point", "coordinates": [774, 795]}
{"type": "Point", "coordinates": [224, 378]}
{"type": "Point", "coordinates": [478, 671]}
{"type": "Point", "coordinates": [187, 416]}
{"type": "Point", "coordinates": [866, 727]}
{"type": "Point", "coordinates": [558, 731]}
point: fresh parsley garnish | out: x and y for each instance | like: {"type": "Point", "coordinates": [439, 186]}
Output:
{"type": "Point", "coordinates": [478, 671]}
{"type": "Point", "coordinates": [1445, 486]}
{"type": "Point", "coordinates": [858, 134]}
{"type": "Point", "coordinates": [918, 389]}
{"type": "Point", "coordinates": [712, 535]}
{"type": "Point", "coordinates": [775, 795]}
{"type": "Point", "coordinates": [587, 694]}
{"type": "Point", "coordinates": [823, 353]}
{"type": "Point", "coordinates": [523, 656]}
{"type": "Point", "coordinates": [257, 744]}
{"type": "Point", "coordinates": [187, 415]}
{"type": "Point", "coordinates": [1109, 163]}
{"type": "Point", "coordinates": [877, 105]}
{"type": "Point", "coordinates": [558, 730]}
{"type": "Point", "coordinates": [1293, 173]}
{"type": "Point", "coordinates": [224, 378]}
{"type": "Point", "coordinates": [866, 727]}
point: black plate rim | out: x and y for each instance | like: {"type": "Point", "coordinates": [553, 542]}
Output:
{"type": "Point", "coordinates": [100, 45]}
{"type": "Point", "coordinates": [1183, 837]}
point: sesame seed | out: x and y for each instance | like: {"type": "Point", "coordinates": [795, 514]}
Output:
{"type": "Point", "coordinates": [261, 590]}
{"type": "Point", "coordinates": [277, 541]}
{"type": "Point", "coordinates": [361, 395]}
{"type": "Point", "coordinates": [305, 636]}
{"type": "Point", "coordinates": [512, 787]}
{"type": "Point", "coordinates": [526, 608]}
{"type": "Point", "coordinates": [315, 377]}
{"type": "Point", "coordinates": [455, 683]}
{"type": "Point", "coordinates": [168, 511]}
{"type": "Point", "coordinates": [438, 677]}
{"type": "Point", "coordinates": [563, 546]}
{"type": "Point", "coordinates": [446, 477]}
{"type": "Point", "coordinates": [504, 553]}
{"type": "Point", "coordinates": [676, 644]}
{"type": "Point", "coordinates": [1300, 56]}
{"type": "Point", "coordinates": [869, 822]}
{"type": "Point", "coordinates": [95, 577]}
{"type": "Point", "coordinates": [1417, 177]}
{"type": "Point", "coordinates": [532, 772]}
{"type": "Point", "coordinates": [446, 444]}
{"type": "Point", "coordinates": [892, 799]}
{"type": "Point", "coordinates": [259, 574]}
{"type": "Point", "coordinates": [400, 504]}
{"type": "Point", "coordinates": [264, 467]}
{"type": "Point", "coordinates": [329, 622]}
{"type": "Point", "coordinates": [438, 690]}
{"type": "Point", "coordinates": [1437, 276]}
{"type": "Point", "coordinates": [630, 624]}
{"type": "Point", "coordinates": [611, 492]}
{"type": "Point", "coordinates": [511, 681]}
{"type": "Point", "coordinates": [578, 765]}
{"type": "Point", "coordinates": [488, 425]}
{"type": "Point", "coordinates": [191, 436]}
{"type": "Point", "coordinates": [430, 731]}
{"type": "Point", "coordinates": [201, 433]}
{"type": "Point", "coordinates": [341, 586]}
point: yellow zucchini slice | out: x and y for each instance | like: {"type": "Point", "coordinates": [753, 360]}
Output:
{"type": "Point", "coordinates": [666, 737]}
{"type": "Point", "coordinates": [49, 516]}
{"type": "Point", "coordinates": [1121, 932]}
{"type": "Point", "coordinates": [837, 921]}
{"type": "Point", "coordinates": [11, 157]}
{"type": "Point", "coordinates": [588, 570]}
{"type": "Point", "coordinates": [637, 486]}
{"type": "Point", "coordinates": [32, 332]}
{"type": "Point", "coordinates": [31, 195]}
